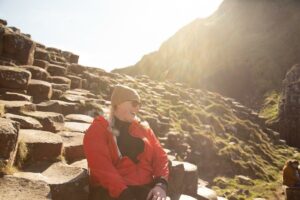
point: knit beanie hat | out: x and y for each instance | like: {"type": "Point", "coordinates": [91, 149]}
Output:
{"type": "Point", "coordinates": [122, 93]}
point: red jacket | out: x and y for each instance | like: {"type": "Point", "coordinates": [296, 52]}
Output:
{"type": "Point", "coordinates": [110, 171]}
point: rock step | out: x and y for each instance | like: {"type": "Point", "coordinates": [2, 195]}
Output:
{"type": "Point", "coordinates": [76, 126]}
{"type": "Point", "coordinates": [42, 145]}
{"type": "Point", "coordinates": [23, 189]}
{"type": "Point", "coordinates": [9, 134]}
{"type": "Point", "coordinates": [14, 77]}
{"type": "Point", "coordinates": [204, 193]}
{"type": "Point", "coordinates": [19, 47]}
{"type": "Point", "coordinates": [181, 173]}
{"type": "Point", "coordinates": [73, 97]}
{"type": "Point", "coordinates": [82, 92]}
{"type": "Point", "coordinates": [79, 118]}
{"type": "Point", "coordinates": [76, 69]}
{"type": "Point", "coordinates": [50, 121]}
{"type": "Point", "coordinates": [72, 145]}
{"type": "Point", "coordinates": [59, 106]}
{"type": "Point", "coordinates": [25, 122]}
{"type": "Point", "coordinates": [59, 80]}
{"type": "Point", "coordinates": [70, 57]}
{"type": "Point", "coordinates": [65, 181]}
{"type": "Point", "coordinates": [37, 72]}
{"type": "Point", "coordinates": [39, 90]}
{"type": "Point", "coordinates": [62, 87]}
{"type": "Point", "coordinates": [41, 63]}
{"type": "Point", "coordinates": [76, 82]}
{"type": "Point", "coordinates": [14, 96]}
{"type": "Point", "coordinates": [81, 163]}
{"type": "Point", "coordinates": [56, 70]}
{"type": "Point", "coordinates": [16, 107]}
{"type": "Point", "coordinates": [41, 54]}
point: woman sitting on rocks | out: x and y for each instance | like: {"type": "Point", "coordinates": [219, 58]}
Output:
{"type": "Point", "coordinates": [125, 159]}
{"type": "Point", "coordinates": [291, 174]}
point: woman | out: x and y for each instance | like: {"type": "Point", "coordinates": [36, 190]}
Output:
{"type": "Point", "coordinates": [125, 159]}
{"type": "Point", "coordinates": [291, 175]}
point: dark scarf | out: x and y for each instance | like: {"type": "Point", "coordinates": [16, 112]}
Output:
{"type": "Point", "coordinates": [128, 145]}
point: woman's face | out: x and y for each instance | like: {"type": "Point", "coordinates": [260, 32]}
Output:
{"type": "Point", "coordinates": [127, 111]}
{"type": "Point", "coordinates": [295, 165]}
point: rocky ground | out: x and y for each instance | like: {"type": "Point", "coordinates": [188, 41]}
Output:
{"type": "Point", "coordinates": [48, 101]}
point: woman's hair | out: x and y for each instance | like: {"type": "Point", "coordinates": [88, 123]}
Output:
{"type": "Point", "coordinates": [110, 116]}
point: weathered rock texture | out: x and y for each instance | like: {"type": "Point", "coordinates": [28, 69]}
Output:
{"type": "Point", "coordinates": [9, 134]}
{"type": "Point", "coordinates": [23, 189]}
{"type": "Point", "coordinates": [289, 113]}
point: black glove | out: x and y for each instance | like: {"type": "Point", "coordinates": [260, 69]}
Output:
{"type": "Point", "coordinates": [126, 195]}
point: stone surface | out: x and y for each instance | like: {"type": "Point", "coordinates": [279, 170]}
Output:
{"type": "Point", "coordinates": [176, 184]}
{"type": "Point", "coordinates": [204, 193]}
{"type": "Point", "coordinates": [25, 122]}
{"type": "Point", "coordinates": [186, 197]}
{"type": "Point", "coordinates": [81, 163]}
{"type": "Point", "coordinates": [14, 77]}
{"type": "Point", "coordinates": [41, 63]}
{"type": "Point", "coordinates": [58, 106]}
{"type": "Point", "coordinates": [76, 82]}
{"type": "Point", "coordinates": [62, 87]}
{"type": "Point", "coordinates": [74, 58]}
{"type": "Point", "coordinates": [2, 110]}
{"type": "Point", "coordinates": [76, 69]}
{"type": "Point", "coordinates": [51, 121]}
{"type": "Point", "coordinates": [18, 47]}
{"type": "Point", "coordinates": [73, 145]}
{"type": "Point", "coordinates": [76, 126]}
{"type": "Point", "coordinates": [2, 31]}
{"type": "Point", "coordinates": [82, 92]}
{"type": "Point", "coordinates": [3, 22]}
{"type": "Point", "coordinates": [289, 108]}
{"type": "Point", "coordinates": [23, 189]}
{"type": "Point", "coordinates": [9, 134]}
{"type": "Point", "coordinates": [37, 72]}
{"type": "Point", "coordinates": [41, 54]}
{"type": "Point", "coordinates": [42, 145]}
{"type": "Point", "coordinates": [73, 97]}
{"type": "Point", "coordinates": [60, 80]}
{"type": "Point", "coordinates": [7, 61]}
{"type": "Point", "coordinates": [56, 70]}
{"type": "Point", "coordinates": [67, 182]}
{"type": "Point", "coordinates": [13, 96]}
{"type": "Point", "coordinates": [56, 94]}
{"type": "Point", "coordinates": [4, 90]}
{"type": "Point", "coordinates": [17, 106]}
{"type": "Point", "coordinates": [79, 118]}
{"type": "Point", "coordinates": [190, 176]}
{"type": "Point", "coordinates": [40, 90]}
{"type": "Point", "coordinates": [244, 180]}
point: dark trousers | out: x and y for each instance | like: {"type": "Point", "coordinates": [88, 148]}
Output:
{"type": "Point", "coordinates": [140, 192]}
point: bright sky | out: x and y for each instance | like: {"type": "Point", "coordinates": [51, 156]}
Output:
{"type": "Point", "coordinates": [105, 33]}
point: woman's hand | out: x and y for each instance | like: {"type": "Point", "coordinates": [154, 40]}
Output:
{"type": "Point", "coordinates": [157, 193]}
